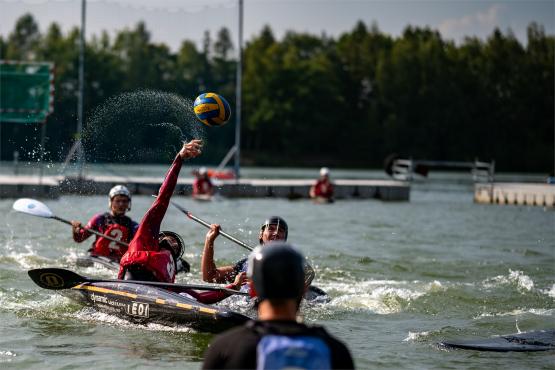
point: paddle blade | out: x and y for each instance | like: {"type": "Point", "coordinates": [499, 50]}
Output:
{"type": "Point", "coordinates": [56, 278]}
{"type": "Point", "coordinates": [32, 207]}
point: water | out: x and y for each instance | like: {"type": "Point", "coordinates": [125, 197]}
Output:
{"type": "Point", "coordinates": [402, 276]}
{"type": "Point", "coordinates": [159, 121]}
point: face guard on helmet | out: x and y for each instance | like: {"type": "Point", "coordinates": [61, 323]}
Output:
{"type": "Point", "coordinates": [119, 190]}
{"type": "Point", "coordinates": [278, 222]}
{"type": "Point", "coordinates": [277, 272]}
{"type": "Point", "coordinates": [172, 242]}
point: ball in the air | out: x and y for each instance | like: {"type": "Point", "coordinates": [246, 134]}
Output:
{"type": "Point", "coordinates": [212, 109]}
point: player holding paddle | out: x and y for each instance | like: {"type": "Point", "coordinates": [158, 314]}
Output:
{"type": "Point", "coordinates": [272, 230]}
{"type": "Point", "coordinates": [114, 224]}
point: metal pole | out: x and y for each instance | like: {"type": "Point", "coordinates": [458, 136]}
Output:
{"type": "Point", "coordinates": [42, 142]}
{"type": "Point", "coordinates": [238, 95]}
{"type": "Point", "coordinates": [80, 153]}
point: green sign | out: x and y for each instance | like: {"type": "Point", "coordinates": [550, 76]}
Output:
{"type": "Point", "coordinates": [26, 91]}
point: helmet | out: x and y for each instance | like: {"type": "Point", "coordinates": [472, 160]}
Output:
{"type": "Point", "coordinates": [276, 220]}
{"type": "Point", "coordinates": [202, 171]}
{"type": "Point", "coordinates": [177, 250]}
{"type": "Point", "coordinates": [119, 190]}
{"type": "Point", "coordinates": [324, 171]}
{"type": "Point", "coordinates": [277, 271]}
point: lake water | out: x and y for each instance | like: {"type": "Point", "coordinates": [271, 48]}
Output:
{"type": "Point", "coordinates": [402, 276]}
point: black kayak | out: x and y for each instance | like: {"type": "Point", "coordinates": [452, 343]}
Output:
{"type": "Point", "coordinates": [141, 301]}
{"type": "Point", "coordinates": [145, 304]}
{"type": "Point", "coordinates": [313, 293]}
{"type": "Point", "coordinates": [532, 341]}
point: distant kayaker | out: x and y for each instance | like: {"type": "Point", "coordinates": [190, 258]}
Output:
{"type": "Point", "coordinates": [152, 254]}
{"type": "Point", "coordinates": [277, 340]}
{"type": "Point", "coordinates": [322, 190]}
{"type": "Point", "coordinates": [203, 189]}
{"type": "Point", "coordinates": [114, 224]}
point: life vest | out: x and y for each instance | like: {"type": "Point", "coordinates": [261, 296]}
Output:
{"type": "Point", "coordinates": [288, 350]}
{"type": "Point", "coordinates": [323, 189]}
{"type": "Point", "coordinates": [161, 264]}
{"type": "Point", "coordinates": [108, 248]}
{"type": "Point", "coordinates": [202, 186]}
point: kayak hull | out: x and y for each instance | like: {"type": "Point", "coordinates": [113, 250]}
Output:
{"type": "Point", "coordinates": [533, 341]}
{"type": "Point", "coordinates": [145, 304]}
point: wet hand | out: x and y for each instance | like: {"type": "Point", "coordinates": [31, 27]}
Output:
{"type": "Point", "coordinates": [191, 149]}
{"type": "Point", "coordinates": [213, 233]}
{"type": "Point", "coordinates": [240, 280]}
{"type": "Point", "coordinates": [76, 225]}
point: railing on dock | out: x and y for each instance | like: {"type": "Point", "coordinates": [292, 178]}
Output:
{"type": "Point", "coordinates": [404, 169]}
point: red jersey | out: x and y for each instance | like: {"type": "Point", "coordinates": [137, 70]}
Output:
{"type": "Point", "coordinates": [118, 227]}
{"type": "Point", "coordinates": [202, 186]}
{"type": "Point", "coordinates": [323, 188]}
{"type": "Point", "coordinates": [144, 249]}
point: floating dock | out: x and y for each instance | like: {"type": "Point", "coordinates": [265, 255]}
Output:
{"type": "Point", "coordinates": [54, 186]}
{"type": "Point", "coordinates": [524, 194]}
{"type": "Point", "coordinates": [12, 186]}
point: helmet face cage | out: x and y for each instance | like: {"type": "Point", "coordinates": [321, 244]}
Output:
{"type": "Point", "coordinates": [177, 254]}
{"type": "Point", "coordinates": [119, 190]}
{"type": "Point", "coordinates": [279, 222]}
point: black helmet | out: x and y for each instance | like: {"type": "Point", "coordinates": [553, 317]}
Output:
{"type": "Point", "coordinates": [277, 271]}
{"type": "Point", "coordinates": [177, 251]}
{"type": "Point", "coordinates": [276, 220]}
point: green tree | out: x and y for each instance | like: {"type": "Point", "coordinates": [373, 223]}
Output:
{"type": "Point", "coordinates": [25, 38]}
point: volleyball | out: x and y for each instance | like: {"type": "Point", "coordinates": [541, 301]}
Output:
{"type": "Point", "coordinates": [212, 109]}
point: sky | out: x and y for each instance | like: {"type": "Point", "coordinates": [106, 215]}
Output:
{"type": "Point", "coordinates": [172, 21]}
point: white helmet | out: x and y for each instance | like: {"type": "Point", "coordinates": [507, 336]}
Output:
{"type": "Point", "coordinates": [202, 171]}
{"type": "Point", "coordinates": [119, 190]}
{"type": "Point", "coordinates": [324, 171]}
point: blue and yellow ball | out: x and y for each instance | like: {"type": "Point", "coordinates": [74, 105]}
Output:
{"type": "Point", "coordinates": [212, 109]}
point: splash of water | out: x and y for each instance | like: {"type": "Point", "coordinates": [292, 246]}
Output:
{"type": "Point", "coordinates": [140, 126]}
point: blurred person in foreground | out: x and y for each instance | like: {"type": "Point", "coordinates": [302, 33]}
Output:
{"type": "Point", "coordinates": [113, 223]}
{"type": "Point", "coordinates": [277, 340]}
{"type": "Point", "coordinates": [322, 190]}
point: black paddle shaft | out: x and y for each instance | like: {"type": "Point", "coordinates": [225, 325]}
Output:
{"type": "Point", "coordinates": [91, 231]}
{"type": "Point", "coordinates": [204, 223]}
{"type": "Point", "coordinates": [57, 279]}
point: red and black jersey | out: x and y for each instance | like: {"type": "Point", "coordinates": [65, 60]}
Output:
{"type": "Point", "coordinates": [119, 227]}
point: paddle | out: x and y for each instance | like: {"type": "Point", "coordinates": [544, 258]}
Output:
{"type": "Point", "coordinates": [204, 223]}
{"type": "Point", "coordinates": [35, 208]}
{"type": "Point", "coordinates": [57, 279]}
{"type": "Point", "coordinates": [308, 270]}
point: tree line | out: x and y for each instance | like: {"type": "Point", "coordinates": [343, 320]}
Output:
{"type": "Point", "coordinates": [314, 100]}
